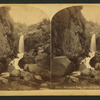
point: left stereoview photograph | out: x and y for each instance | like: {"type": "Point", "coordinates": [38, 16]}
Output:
{"type": "Point", "coordinates": [24, 48]}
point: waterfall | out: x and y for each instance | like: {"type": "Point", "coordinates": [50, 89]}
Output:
{"type": "Point", "coordinates": [20, 55]}
{"type": "Point", "coordinates": [21, 44]}
{"type": "Point", "coordinates": [91, 53]}
{"type": "Point", "coordinates": [93, 43]}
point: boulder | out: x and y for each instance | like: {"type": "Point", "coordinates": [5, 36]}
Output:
{"type": "Point", "coordinates": [9, 60]}
{"type": "Point", "coordinates": [10, 68]}
{"type": "Point", "coordinates": [97, 78]}
{"type": "Point", "coordinates": [60, 65]}
{"type": "Point", "coordinates": [81, 67]}
{"type": "Point", "coordinates": [95, 72]}
{"type": "Point", "coordinates": [27, 76]}
{"type": "Point", "coordinates": [73, 79]}
{"type": "Point", "coordinates": [97, 66]}
{"type": "Point", "coordinates": [4, 80]}
{"type": "Point", "coordinates": [40, 50]}
{"type": "Point", "coordinates": [40, 57]}
{"type": "Point", "coordinates": [86, 72]}
{"type": "Point", "coordinates": [26, 60]}
{"type": "Point", "coordinates": [47, 48]}
{"type": "Point", "coordinates": [46, 75]}
{"type": "Point", "coordinates": [15, 73]}
{"type": "Point", "coordinates": [24, 73]}
{"type": "Point", "coordinates": [44, 63]}
{"type": "Point", "coordinates": [76, 73]}
{"type": "Point", "coordinates": [33, 68]}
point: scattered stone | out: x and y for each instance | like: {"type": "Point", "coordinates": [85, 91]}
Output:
{"type": "Point", "coordinates": [95, 72]}
{"type": "Point", "coordinates": [5, 74]}
{"type": "Point", "coordinates": [15, 73]}
{"type": "Point", "coordinates": [73, 79]}
{"type": "Point", "coordinates": [38, 77]}
{"type": "Point", "coordinates": [60, 65]}
{"type": "Point", "coordinates": [76, 73]}
{"type": "Point", "coordinates": [86, 72]}
{"type": "Point", "coordinates": [24, 73]}
{"type": "Point", "coordinates": [27, 76]}
{"type": "Point", "coordinates": [84, 82]}
{"type": "Point", "coordinates": [3, 80]}
{"type": "Point", "coordinates": [40, 57]}
{"type": "Point", "coordinates": [44, 86]}
{"type": "Point", "coordinates": [40, 50]}
{"type": "Point", "coordinates": [97, 77]}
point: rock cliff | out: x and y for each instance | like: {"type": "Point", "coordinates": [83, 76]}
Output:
{"type": "Point", "coordinates": [69, 33]}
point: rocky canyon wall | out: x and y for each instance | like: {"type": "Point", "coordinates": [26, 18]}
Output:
{"type": "Point", "coordinates": [69, 33]}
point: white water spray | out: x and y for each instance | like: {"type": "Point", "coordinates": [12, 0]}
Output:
{"type": "Point", "coordinates": [15, 61]}
{"type": "Point", "coordinates": [91, 53]}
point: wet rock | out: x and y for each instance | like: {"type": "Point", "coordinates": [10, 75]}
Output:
{"type": "Point", "coordinates": [40, 57]}
{"type": "Point", "coordinates": [82, 66]}
{"type": "Point", "coordinates": [15, 73]}
{"type": "Point", "coordinates": [60, 65]}
{"type": "Point", "coordinates": [33, 68]}
{"type": "Point", "coordinates": [10, 68]}
{"type": "Point", "coordinates": [86, 72]}
{"type": "Point", "coordinates": [26, 60]}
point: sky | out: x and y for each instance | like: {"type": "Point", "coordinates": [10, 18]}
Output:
{"type": "Point", "coordinates": [33, 13]}
{"type": "Point", "coordinates": [91, 13]}
{"type": "Point", "coordinates": [27, 15]}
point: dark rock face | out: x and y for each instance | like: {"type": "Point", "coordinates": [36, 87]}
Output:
{"type": "Point", "coordinates": [6, 30]}
{"type": "Point", "coordinates": [68, 33]}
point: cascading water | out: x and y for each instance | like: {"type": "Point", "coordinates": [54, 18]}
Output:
{"type": "Point", "coordinates": [15, 61]}
{"type": "Point", "coordinates": [91, 53]}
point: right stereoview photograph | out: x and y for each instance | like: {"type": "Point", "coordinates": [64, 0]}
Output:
{"type": "Point", "coordinates": [75, 39]}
